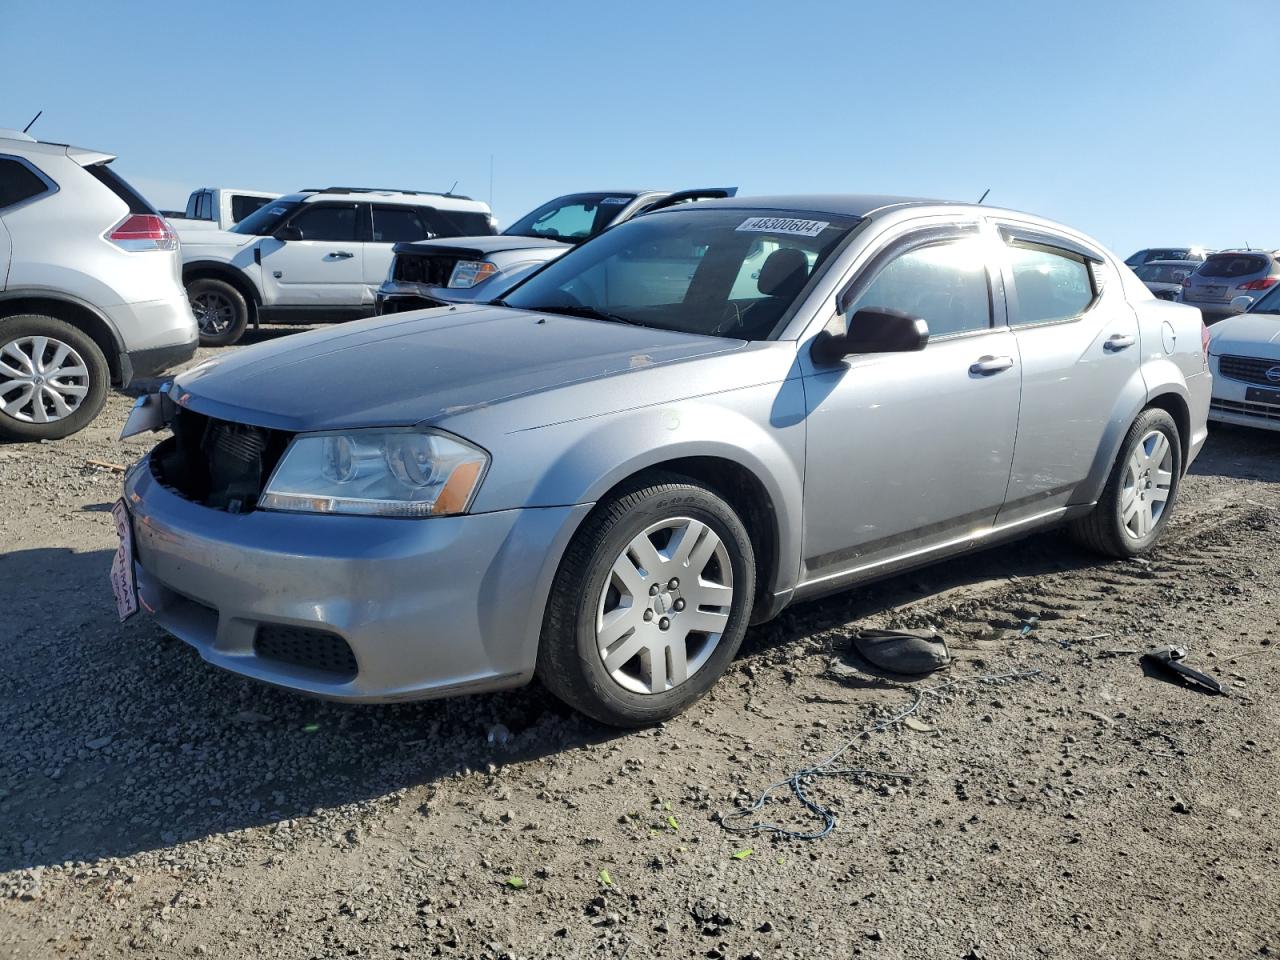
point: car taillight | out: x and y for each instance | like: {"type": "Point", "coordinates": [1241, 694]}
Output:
{"type": "Point", "coordinates": [143, 231]}
{"type": "Point", "coordinates": [1265, 283]}
{"type": "Point", "coordinates": [1186, 281]}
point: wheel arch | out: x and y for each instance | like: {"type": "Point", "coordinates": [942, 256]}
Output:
{"type": "Point", "coordinates": [1175, 404]}
{"type": "Point", "coordinates": [85, 318]}
{"type": "Point", "coordinates": [215, 270]}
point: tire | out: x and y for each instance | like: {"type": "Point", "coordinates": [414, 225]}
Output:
{"type": "Point", "coordinates": [220, 311]}
{"type": "Point", "coordinates": [53, 378]}
{"type": "Point", "coordinates": [646, 688]}
{"type": "Point", "coordinates": [1124, 523]}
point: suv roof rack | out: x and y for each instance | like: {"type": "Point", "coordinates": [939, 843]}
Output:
{"type": "Point", "coordinates": [419, 193]}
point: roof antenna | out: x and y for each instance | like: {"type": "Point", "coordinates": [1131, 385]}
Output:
{"type": "Point", "coordinates": [984, 196]}
{"type": "Point", "coordinates": [33, 121]}
{"type": "Point", "coordinates": [450, 190]}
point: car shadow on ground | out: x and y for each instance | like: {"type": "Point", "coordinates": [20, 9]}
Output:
{"type": "Point", "coordinates": [122, 740]}
{"type": "Point", "coordinates": [1241, 453]}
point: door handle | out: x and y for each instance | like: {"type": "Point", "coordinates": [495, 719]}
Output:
{"type": "Point", "coordinates": [339, 255]}
{"type": "Point", "coordinates": [988, 365]}
{"type": "Point", "coordinates": [1118, 341]}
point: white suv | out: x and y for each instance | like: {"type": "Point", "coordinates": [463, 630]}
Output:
{"type": "Point", "coordinates": [90, 288]}
{"type": "Point", "coordinates": [312, 256]}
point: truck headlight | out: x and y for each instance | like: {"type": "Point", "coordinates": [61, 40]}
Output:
{"type": "Point", "coordinates": [469, 273]}
{"type": "Point", "coordinates": [386, 473]}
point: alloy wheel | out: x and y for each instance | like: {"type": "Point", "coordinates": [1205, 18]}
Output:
{"type": "Point", "coordinates": [1148, 481]}
{"type": "Point", "coordinates": [214, 313]}
{"type": "Point", "coordinates": [664, 606]}
{"type": "Point", "coordinates": [42, 379]}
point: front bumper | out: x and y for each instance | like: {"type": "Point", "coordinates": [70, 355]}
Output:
{"type": "Point", "coordinates": [428, 608]}
{"type": "Point", "coordinates": [1231, 403]}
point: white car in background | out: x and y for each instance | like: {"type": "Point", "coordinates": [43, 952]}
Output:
{"type": "Point", "coordinates": [90, 293]}
{"type": "Point", "coordinates": [1244, 356]}
{"type": "Point", "coordinates": [218, 208]}
{"type": "Point", "coordinates": [313, 256]}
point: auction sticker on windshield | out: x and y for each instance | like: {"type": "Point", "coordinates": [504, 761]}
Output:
{"type": "Point", "coordinates": [123, 583]}
{"type": "Point", "coordinates": [788, 225]}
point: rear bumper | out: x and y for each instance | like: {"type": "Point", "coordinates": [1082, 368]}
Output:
{"type": "Point", "coordinates": [427, 608]}
{"type": "Point", "coordinates": [139, 364]}
{"type": "Point", "coordinates": [153, 323]}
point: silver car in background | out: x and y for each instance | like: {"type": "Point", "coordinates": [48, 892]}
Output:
{"type": "Point", "coordinates": [674, 430]}
{"type": "Point", "coordinates": [1227, 275]}
{"type": "Point", "coordinates": [1165, 278]}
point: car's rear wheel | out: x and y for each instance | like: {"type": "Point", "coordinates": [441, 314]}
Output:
{"type": "Point", "coordinates": [220, 311]}
{"type": "Point", "coordinates": [53, 378]}
{"type": "Point", "coordinates": [1141, 491]}
{"type": "Point", "coordinates": [649, 605]}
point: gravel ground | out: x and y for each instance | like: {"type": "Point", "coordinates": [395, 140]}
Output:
{"type": "Point", "coordinates": [152, 806]}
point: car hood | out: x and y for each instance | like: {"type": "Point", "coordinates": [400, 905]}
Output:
{"type": "Point", "coordinates": [1247, 334]}
{"type": "Point", "coordinates": [198, 236]}
{"type": "Point", "coordinates": [428, 366]}
{"type": "Point", "coordinates": [478, 247]}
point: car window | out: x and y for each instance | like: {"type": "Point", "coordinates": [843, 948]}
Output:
{"type": "Point", "coordinates": [746, 286]}
{"type": "Point", "coordinates": [572, 218]}
{"type": "Point", "coordinates": [393, 224]}
{"type": "Point", "coordinates": [1050, 285]}
{"type": "Point", "coordinates": [944, 283]}
{"type": "Point", "coordinates": [1229, 265]}
{"type": "Point", "coordinates": [17, 183]}
{"type": "Point", "coordinates": [242, 206]}
{"type": "Point", "coordinates": [327, 222]}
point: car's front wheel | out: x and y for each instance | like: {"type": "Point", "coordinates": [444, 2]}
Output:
{"type": "Point", "coordinates": [1141, 491]}
{"type": "Point", "coordinates": [220, 311]}
{"type": "Point", "coordinates": [649, 605]}
{"type": "Point", "coordinates": [53, 378]}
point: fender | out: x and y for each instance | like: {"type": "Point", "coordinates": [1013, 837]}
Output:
{"type": "Point", "coordinates": [237, 277]}
{"type": "Point", "coordinates": [41, 293]}
{"type": "Point", "coordinates": [580, 461]}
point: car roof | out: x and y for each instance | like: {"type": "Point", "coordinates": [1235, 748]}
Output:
{"type": "Point", "coordinates": [842, 204]}
{"type": "Point", "coordinates": [1174, 263]}
{"type": "Point", "coordinates": [443, 201]}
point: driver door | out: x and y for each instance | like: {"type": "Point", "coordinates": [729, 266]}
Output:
{"type": "Point", "coordinates": [908, 452]}
{"type": "Point", "coordinates": [323, 269]}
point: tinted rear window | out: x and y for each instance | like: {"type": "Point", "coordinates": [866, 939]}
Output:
{"type": "Point", "coordinates": [117, 185]}
{"type": "Point", "coordinates": [1228, 265]}
{"type": "Point", "coordinates": [457, 223]}
{"type": "Point", "coordinates": [18, 183]}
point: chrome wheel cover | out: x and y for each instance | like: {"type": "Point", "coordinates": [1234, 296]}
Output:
{"type": "Point", "coordinates": [664, 606]}
{"type": "Point", "coordinates": [1147, 483]}
{"type": "Point", "coordinates": [42, 379]}
{"type": "Point", "coordinates": [214, 313]}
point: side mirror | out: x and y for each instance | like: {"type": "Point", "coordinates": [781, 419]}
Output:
{"type": "Point", "coordinates": [877, 330]}
{"type": "Point", "coordinates": [288, 233]}
{"type": "Point", "coordinates": [1241, 304]}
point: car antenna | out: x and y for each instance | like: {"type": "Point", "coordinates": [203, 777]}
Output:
{"type": "Point", "coordinates": [33, 121]}
{"type": "Point", "coordinates": [451, 189]}
{"type": "Point", "coordinates": [984, 196]}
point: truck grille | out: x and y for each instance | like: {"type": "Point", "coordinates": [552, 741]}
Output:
{"type": "Point", "coordinates": [217, 463]}
{"type": "Point", "coordinates": [433, 271]}
{"type": "Point", "coordinates": [1249, 369]}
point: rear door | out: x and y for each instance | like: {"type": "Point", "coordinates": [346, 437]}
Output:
{"type": "Point", "coordinates": [6, 254]}
{"type": "Point", "coordinates": [325, 267]}
{"type": "Point", "coordinates": [1078, 340]}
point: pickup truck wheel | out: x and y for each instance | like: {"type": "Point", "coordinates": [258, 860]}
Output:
{"type": "Point", "coordinates": [1140, 493]}
{"type": "Point", "coordinates": [649, 605]}
{"type": "Point", "coordinates": [53, 378]}
{"type": "Point", "coordinates": [220, 311]}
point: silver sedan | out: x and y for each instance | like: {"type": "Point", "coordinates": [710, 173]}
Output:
{"type": "Point", "coordinates": [674, 430]}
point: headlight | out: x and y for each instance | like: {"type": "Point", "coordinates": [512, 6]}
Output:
{"type": "Point", "coordinates": [469, 273]}
{"type": "Point", "coordinates": [388, 473]}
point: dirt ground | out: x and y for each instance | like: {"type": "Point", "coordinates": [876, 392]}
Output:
{"type": "Point", "coordinates": [153, 806]}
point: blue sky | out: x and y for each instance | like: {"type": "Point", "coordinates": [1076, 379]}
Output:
{"type": "Point", "coordinates": [1142, 123]}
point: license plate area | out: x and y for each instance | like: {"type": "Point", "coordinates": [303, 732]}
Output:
{"type": "Point", "coordinates": [123, 582]}
{"type": "Point", "coordinates": [1262, 395]}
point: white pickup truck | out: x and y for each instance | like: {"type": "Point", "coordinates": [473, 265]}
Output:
{"type": "Point", "coordinates": [218, 208]}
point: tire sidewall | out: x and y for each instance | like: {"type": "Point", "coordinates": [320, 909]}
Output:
{"type": "Point", "coordinates": [1150, 420]}
{"type": "Point", "coordinates": [25, 325]}
{"type": "Point", "coordinates": [236, 330]}
{"type": "Point", "coordinates": [624, 706]}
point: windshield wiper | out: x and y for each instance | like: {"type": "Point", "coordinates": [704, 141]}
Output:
{"type": "Point", "coordinates": [591, 313]}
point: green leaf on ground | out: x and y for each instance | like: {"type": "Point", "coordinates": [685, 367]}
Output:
{"type": "Point", "coordinates": [743, 854]}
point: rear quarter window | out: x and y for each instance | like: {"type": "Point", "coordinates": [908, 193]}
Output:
{"type": "Point", "coordinates": [18, 182]}
{"type": "Point", "coordinates": [120, 187]}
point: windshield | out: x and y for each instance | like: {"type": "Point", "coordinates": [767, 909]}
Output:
{"type": "Point", "coordinates": [1269, 303]}
{"type": "Point", "coordinates": [727, 273]}
{"type": "Point", "coordinates": [1165, 272]}
{"type": "Point", "coordinates": [571, 219]}
{"type": "Point", "coordinates": [266, 220]}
